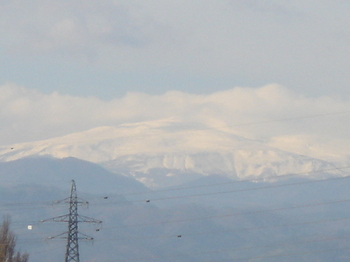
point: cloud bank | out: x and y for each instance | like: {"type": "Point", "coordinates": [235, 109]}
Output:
{"type": "Point", "coordinates": [76, 29]}
{"type": "Point", "coordinates": [269, 113]}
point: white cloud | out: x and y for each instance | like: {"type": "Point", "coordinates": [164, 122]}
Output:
{"type": "Point", "coordinates": [270, 112]}
{"type": "Point", "coordinates": [74, 28]}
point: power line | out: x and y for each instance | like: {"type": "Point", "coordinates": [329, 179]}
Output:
{"type": "Point", "coordinates": [186, 234]}
{"type": "Point", "coordinates": [38, 205]}
{"type": "Point", "coordinates": [285, 254]}
{"type": "Point", "coordinates": [236, 214]}
{"type": "Point", "coordinates": [24, 205]}
{"type": "Point", "coordinates": [236, 182]}
{"type": "Point", "coordinates": [315, 240]}
{"type": "Point", "coordinates": [228, 191]}
{"type": "Point", "coordinates": [242, 229]}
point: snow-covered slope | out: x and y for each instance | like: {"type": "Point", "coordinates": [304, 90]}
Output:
{"type": "Point", "coordinates": [164, 153]}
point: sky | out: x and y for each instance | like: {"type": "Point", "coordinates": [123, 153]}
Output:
{"type": "Point", "coordinates": [67, 66]}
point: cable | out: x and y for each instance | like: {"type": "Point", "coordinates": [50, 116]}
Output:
{"type": "Point", "coordinates": [187, 196]}
{"type": "Point", "coordinates": [236, 214]}
{"type": "Point", "coordinates": [323, 239]}
{"type": "Point", "coordinates": [26, 206]}
{"type": "Point", "coordinates": [39, 205]}
{"type": "Point", "coordinates": [234, 230]}
{"type": "Point", "coordinates": [263, 210]}
{"type": "Point", "coordinates": [210, 232]}
{"type": "Point", "coordinates": [284, 255]}
{"type": "Point", "coordinates": [234, 182]}
{"type": "Point", "coordinates": [230, 215]}
{"type": "Point", "coordinates": [228, 191]}
{"type": "Point", "coordinates": [181, 234]}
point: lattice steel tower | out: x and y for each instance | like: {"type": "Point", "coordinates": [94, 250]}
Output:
{"type": "Point", "coordinates": [73, 218]}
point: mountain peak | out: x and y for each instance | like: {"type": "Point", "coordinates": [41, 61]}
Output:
{"type": "Point", "coordinates": [164, 153]}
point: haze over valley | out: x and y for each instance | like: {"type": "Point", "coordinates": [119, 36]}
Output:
{"type": "Point", "coordinates": [196, 131]}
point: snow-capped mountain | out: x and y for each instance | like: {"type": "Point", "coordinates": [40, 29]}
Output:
{"type": "Point", "coordinates": [165, 153]}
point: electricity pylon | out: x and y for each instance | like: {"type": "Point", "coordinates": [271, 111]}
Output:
{"type": "Point", "coordinates": [73, 218]}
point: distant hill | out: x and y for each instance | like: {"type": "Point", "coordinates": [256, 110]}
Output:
{"type": "Point", "coordinates": [244, 228]}
{"type": "Point", "coordinates": [53, 172]}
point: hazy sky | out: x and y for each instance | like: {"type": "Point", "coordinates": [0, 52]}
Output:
{"type": "Point", "coordinates": [61, 59]}
{"type": "Point", "coordinates": [106, 48]}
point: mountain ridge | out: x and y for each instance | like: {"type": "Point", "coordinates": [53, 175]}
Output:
{"type": "Point", "coordinates": [49, 171]}
{"type": "Point", "coordinates": [164, 153]}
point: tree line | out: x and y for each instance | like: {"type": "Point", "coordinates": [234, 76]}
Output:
{"type": "Point", "coordinates": [8, 252]}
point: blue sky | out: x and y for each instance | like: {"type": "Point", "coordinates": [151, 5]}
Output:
{"type": "Point", "coordinates": [67, 66]}
{"type": "Point", "coordinates": [107, 48]}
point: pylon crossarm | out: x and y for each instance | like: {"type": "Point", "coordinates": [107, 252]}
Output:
{"type": "Point", "coordinates": [82, 202]}
{"type": "Point", "coordinates": [86, 219]}
{"type": "Point", "coordinates": [59, 236]}
{"type": "Point", "coordinates": [72, 218]}
{"type": "Point", "coordinates": [85, 237]}
{"type": "Point", "coordinates": [66, 200]}
{"type": "Point", "coordinates": [78, 200]}
{"type": "Point", "coordinates": [64, 218]}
